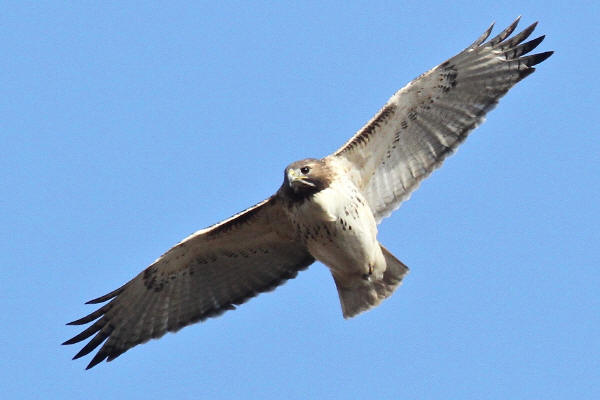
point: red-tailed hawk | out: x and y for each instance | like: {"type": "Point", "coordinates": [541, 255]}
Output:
{"type": "Point", "coordinates": [326, 209]}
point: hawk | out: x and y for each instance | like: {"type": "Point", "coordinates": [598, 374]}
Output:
{"type": "Point", "coordinates": [326, 209]}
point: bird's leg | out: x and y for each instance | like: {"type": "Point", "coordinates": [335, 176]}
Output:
{"type": "Point", "coordinates": [368, 275]}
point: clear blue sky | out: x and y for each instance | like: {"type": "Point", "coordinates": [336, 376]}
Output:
{"type": "Point", "coordinates": [124, 127]}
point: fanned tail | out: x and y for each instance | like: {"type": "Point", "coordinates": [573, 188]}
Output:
{"type": "Point", "coordinates": [361, 294]}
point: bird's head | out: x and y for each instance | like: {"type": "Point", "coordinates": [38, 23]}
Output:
{"type": "Point", "coordinates": [306, 177]}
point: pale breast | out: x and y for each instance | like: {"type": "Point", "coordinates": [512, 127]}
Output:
{"type": "Point", "coordinates": [339, 229]}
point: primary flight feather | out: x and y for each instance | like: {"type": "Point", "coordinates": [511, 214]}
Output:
{"type": "Point", "coordinates": [326, 209]}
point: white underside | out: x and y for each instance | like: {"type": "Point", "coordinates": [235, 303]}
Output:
{"type": "Point", "coordinates": [347, 239]}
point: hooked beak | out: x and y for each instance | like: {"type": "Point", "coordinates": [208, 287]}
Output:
{"type": "Point", "coordinates": [295, 178]}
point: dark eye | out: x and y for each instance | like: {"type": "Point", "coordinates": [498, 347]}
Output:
{"type": "Point", "coordinates": [305, 170]}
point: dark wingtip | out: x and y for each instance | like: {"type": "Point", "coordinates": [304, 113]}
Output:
{"type": "Point", "coordinates": [93, 363]}
{"type": "Point", "coordinates": [532, 44]}
{"type": "Point", "coordinates": [80, 354]}
{"type": "Point", "coordinates": [102, 355]}
{"type": "Point", "coordinates": [523, 48]}
{"type": "Point", "coordinates": [107, 296]}
{"type": "Point", "coordinates": [92, 316]}
{"type": "Point", "coordinates": [535, 59]}
{"type": "Point", "coordinates": [532, 60]}
{"type": "Point", "coordinates": [67, 342]}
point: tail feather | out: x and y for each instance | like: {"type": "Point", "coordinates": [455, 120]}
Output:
{"type": "Point", "coordinates": [359, 294]}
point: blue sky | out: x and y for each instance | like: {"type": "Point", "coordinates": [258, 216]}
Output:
{"type": "Point", "coordinates": [125, 126]}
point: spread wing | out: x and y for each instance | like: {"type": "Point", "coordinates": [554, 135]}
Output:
{"type": "Point", "coordinates": [206, 274]}
{"type": "Point", "coordinates": [427, 119]}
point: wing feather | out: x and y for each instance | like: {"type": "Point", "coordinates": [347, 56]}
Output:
{"type": "Point", "coordinates": [206, 274]}
{"type": "Point", "coordinates": [427, 119]}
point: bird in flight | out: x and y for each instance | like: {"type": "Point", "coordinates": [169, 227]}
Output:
{"type": "Point", "coordinates": [326, 209]}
